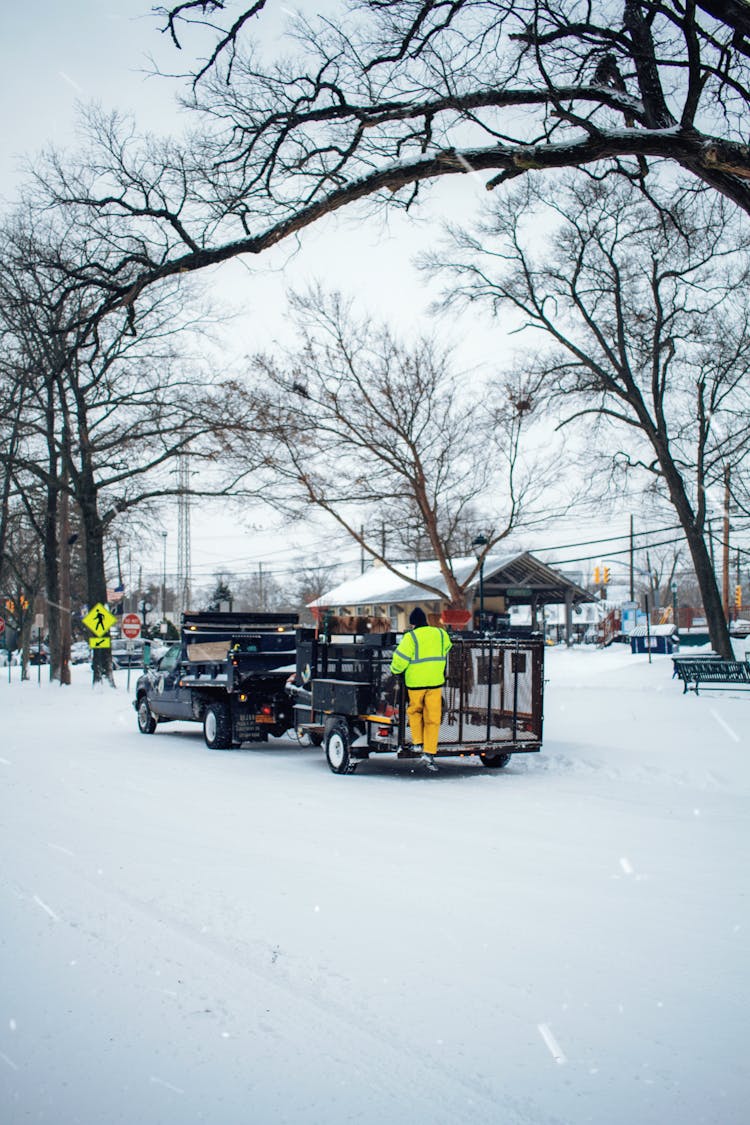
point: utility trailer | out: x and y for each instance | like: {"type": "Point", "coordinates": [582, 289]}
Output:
{"type": "Point", "coordinates": [347, 699]}
{"type": "Point", "coordinates": [228, 672]}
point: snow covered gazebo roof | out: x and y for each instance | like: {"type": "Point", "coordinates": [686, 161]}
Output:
{"type": "Point", "coordinates": [518, 578]}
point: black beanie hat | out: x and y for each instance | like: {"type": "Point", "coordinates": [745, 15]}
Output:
{"type": "Point", "coordinates": [417, 618]}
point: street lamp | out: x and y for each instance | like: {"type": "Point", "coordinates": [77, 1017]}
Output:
{"type": "Point", "coordinates": [164, 579]}
{"type": "Point", "coordinates": [480, 542]}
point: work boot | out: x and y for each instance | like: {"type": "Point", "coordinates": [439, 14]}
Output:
{"type": "Point", "coordinates": [429, 761]}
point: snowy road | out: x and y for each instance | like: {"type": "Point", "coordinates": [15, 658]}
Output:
{"type": "Point", "coordinates": [243, 937]}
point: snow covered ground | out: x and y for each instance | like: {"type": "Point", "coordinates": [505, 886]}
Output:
{"type": "Point", "coordinates": [243, 938]}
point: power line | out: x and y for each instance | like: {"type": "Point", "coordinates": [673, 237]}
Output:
{"type": "Point", "coordinates": [624, 551]}
{"type": "Point", "coordinates": [610, 539]}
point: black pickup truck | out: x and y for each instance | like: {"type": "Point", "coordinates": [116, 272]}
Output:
{"type": "Point", "coordinates": [228, 672]}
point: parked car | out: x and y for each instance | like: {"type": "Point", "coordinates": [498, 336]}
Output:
{"type": "Point", "coordinates": [127, 654]}
{"type": "Point", "coordinates": [80, 652]}
{"type": "Point", "coordinates": [38, 653]}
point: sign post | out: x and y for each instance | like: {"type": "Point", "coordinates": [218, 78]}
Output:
{"type": "Point", "coordinates": [38, 629]}
{"type": "Point", "coordinates": [2, 630]}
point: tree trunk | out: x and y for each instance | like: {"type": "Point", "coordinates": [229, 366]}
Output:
{"type": "Point", "coordinates": [52, 581]}
{"type": "Point", "coordinates": [718, 630]}
{"type": "Point", "coordinates": [96, 581]}
{"type": "Point", "coordinates": [64, 571]}
{"type": "Point", "coordinates": [50, 541]}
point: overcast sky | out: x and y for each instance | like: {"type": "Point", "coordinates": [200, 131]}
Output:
{"type": "Point", "coordinates": [56, 56]}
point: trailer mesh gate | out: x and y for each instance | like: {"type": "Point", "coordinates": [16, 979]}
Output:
{"type": "Point", "coordinates": [493, 691]}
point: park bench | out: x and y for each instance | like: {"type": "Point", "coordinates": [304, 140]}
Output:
{"type": "Point", "coordinates": [710, 672]}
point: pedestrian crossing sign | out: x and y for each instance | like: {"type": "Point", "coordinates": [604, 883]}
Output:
{"type": "Point", "coordinates": [100, 642]}
{"type": "Point", "coordinates": [99, 620]}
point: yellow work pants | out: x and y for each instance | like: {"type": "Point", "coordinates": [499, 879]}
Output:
{"type": "Point", "coordinates": [424, 711]}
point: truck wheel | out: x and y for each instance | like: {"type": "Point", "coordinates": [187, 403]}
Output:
{"type": "Point", "coordinates": [495, 761]}
{"type": "Point", "coordinates": [338, 743]}
{"type": "Point", "coordinates": [146, 721]}
{"type": "Point", "coordinates": [217, 727]}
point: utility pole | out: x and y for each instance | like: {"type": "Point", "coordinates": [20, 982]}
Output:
{"type": "Point", "coordinates": [725, 568]}
{"type": "Point", "coordinates": [183, 535]}
{"type": "Point", "coordinates": [632, 561]}
{"type": "Point", "coordinates": [164, 583]}
{"type": "Point", "coordinates": [119, 564]}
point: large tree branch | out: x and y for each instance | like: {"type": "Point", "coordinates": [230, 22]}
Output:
{"type": "Point", "coordinates": [725, 166]}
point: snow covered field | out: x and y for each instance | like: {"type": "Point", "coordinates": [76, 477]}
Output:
{"type": "Point", "coordinates": [243, 938]}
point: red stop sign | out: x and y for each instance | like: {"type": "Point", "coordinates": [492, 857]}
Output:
{"type": "Point", "coordinates": [131, 626]}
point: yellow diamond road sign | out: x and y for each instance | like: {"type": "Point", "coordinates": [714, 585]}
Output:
{"type": "Point", "coordinates": [99, 620]}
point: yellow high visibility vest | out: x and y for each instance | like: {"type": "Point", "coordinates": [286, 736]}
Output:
{"type": "Point", "coordinates": [421, 656]}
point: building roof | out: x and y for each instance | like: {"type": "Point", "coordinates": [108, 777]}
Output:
{"type": "Point", "coordinates": [515, 577]}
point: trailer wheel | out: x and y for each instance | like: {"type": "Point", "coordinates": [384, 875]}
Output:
{"type": "Point", "coordinates": [495, 761]}
{"type": "Point", "coordinates": [217, 727]}
{"type": "Point", "coordinates": [338, 744]}
{"type": "Point", "coordinates": [146, 721]}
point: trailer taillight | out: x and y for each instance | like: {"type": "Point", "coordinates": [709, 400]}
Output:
{"type": "Point", "coordinates": [266, 710]}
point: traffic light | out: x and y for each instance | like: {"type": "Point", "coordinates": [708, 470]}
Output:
{"type": "Point", "coordinates": [24, 601]}
{"type": "Point", "coordinates": [738, 597]}
{"type": "Point", "coordinates": [10, 605]}
{"type": "Point", "coordinates": [606, 575]}
{"type": "Point", "coordinates": [597, 575]}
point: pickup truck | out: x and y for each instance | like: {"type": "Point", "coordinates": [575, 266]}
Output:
{"type": "Point", "coordinates": [228, 672]}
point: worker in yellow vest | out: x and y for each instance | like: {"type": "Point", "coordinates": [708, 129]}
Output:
{"type": "Point", "coordinates": [421, 656]}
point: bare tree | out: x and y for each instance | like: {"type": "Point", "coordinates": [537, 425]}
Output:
{"type": "Point", "coordinates": [375, 433]}
{"type": "Point", "coordinates": [310, 583]}
{"type": "Point", "coordinates": [396, 93]}
{"type": "Point", "coordinates": [22, 570]}
{"type": "Point", "coordinates": [105, 415]}
{"type": "Point", "coordinates": [648, 322]}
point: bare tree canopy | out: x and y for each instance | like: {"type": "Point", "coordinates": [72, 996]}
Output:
{"type": "Point", "coordinates": [395, 93]}
{"type": "Point", "coordinates": [387, 441]}
{"type": "Point", "coordinates": [645, 315]}
{"type": "Point", "coordinates": [94, 419]}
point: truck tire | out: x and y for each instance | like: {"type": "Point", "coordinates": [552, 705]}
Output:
{"type": "Point", "coordinates": [217, 727]}
{"type": "Point", "coordinates": [338, 747]}
{"type": "Point", "coordinates": [495, 761]}
{"type": "Point", "coordinates": [146, 721]}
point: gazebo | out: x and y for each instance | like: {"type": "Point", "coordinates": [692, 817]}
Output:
{"type": "Point", "coordinates": [506, 580]}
